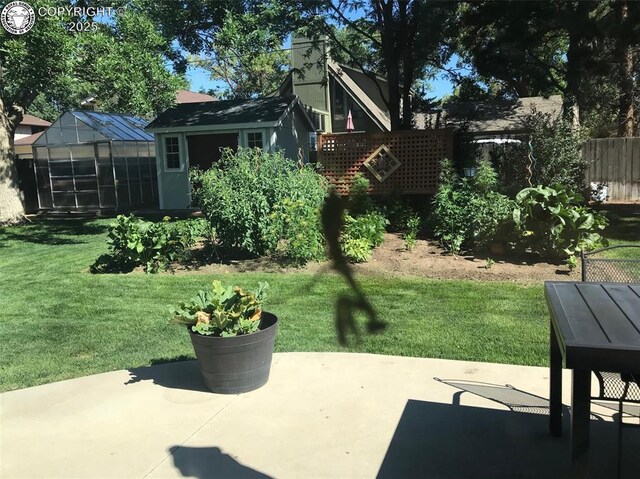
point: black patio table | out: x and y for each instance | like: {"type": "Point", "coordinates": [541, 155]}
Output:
{"type": "Point", "coordinates": [594, 327]}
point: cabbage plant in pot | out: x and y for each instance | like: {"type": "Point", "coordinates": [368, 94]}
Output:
{"type": "Point", "coordinates": [232, 336]}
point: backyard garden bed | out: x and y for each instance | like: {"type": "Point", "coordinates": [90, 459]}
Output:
{"type": "Point", "coordinates": [426, 260]}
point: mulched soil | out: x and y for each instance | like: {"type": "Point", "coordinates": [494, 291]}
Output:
{"type": "Point", "coordinates": [426, 260]}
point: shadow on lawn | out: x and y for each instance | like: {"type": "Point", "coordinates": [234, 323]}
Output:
{"type": "Point", "coordinates": [624, 221]}
{"type": "Point", "coordinates": [52, 232]}
{"type": "Point", "coordinates": [177, 373]}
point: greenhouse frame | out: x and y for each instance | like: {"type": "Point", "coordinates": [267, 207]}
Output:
{"type": "Point", "coordinates": [92, 160]}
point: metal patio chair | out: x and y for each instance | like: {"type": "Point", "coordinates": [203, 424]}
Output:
{"type": "Point", "coordinates": [622, 388]}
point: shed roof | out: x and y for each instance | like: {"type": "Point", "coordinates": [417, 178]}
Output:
{"type": "Point", "coordinates": [226, 112]}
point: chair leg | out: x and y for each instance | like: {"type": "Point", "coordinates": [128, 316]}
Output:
{"type": "Point", "coordinates": [619, 466]}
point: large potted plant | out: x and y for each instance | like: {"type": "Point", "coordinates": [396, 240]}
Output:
{"type": "Point", "coordinates": [232, 336]}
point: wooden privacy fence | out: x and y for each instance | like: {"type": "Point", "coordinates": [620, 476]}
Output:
{"type": "Point", "coordinates": [615, 161]}
{"type": "Point", "coordinates": [404, 161]}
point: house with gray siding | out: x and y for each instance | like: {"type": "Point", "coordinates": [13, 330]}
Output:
{"type": "Point", "coordinates": [330, 90]}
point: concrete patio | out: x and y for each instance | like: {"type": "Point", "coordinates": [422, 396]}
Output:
{"type": "Point", "coordinates": [321, 415]}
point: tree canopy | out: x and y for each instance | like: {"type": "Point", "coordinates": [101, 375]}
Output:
{"type": "Point", "coordinates": [585, 50]}
{"type": "Point", "coordinates": [121, 62]}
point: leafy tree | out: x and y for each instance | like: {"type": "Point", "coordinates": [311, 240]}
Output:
{"type": "Point", "coordinates": [123, 65]}
{"type": "Point", "coordinates": [246, 55]}
{"type": "Point", "coordinates": [408, 34]}
{"type": "Point", "coordinates": [348, 43]}
{"type": "Point", "coordinates": [541, 48]}
{"type": "Point", "coordinates": [121, 62]}
{"type": "Point", "coordinates": [395, 38]}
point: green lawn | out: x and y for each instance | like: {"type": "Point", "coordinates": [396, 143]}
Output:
{"type": "Point", "coordinates": [58, 321]}
{"type": "Point", "coordinates": [624, 228]}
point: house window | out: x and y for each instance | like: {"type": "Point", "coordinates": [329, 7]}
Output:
{"type": "Point", "coordinates": [172, 152]}
{"type": "Point", "coordinates": [339, 101]}
{"type": "Point", "coordinates": [254, 139]}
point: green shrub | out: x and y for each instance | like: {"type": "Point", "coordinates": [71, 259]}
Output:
{"type": "Point", "coordinates": [222, 311]}
{"type": "Point", "coordinates": [297, 225]}
{"type": "Point", "coordinates": [467, 212]}
{"type": "Point", "coordinates": [356, 250]}
{"type": "Point", "coordinates": [552, 222]}
{"type": "Point", "coordinates": [361, 234]}
{"type": "Point", "coordinates": [238, 196]}
{"type": "Point", "coordinates": [370, 227]}
{"type": "Point", "coordinates": [411, 232]}
{"type": "Point", "coordinates": [360, 201]}
{"type": "Point", "coordinates": [134, 241]}
{"type": "Point", "coordinates": [557, 157]}
{"type": "Point", "coordinates": [398, 211]}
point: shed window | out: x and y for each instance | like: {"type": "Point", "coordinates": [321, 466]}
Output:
{"type": "Point", "coordinates": [172, 152]}
{"type": "Point", "coordinates": [254, 139]}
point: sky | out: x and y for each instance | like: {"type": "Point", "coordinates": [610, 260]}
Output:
{"type": "Point", "coordinates": [199, 79]}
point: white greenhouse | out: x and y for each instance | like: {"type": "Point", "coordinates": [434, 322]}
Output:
{"type": "Point", "coordinates": [92, 160]}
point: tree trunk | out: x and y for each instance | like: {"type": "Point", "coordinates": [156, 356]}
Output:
{"type": "Point", "coordinates": [571, 101]}
{"type": "Point", "coordinates": [580, 32]}
{"type": "Point", "coordinates": [625, 65]}
{"type": "Point", "coordinates": [408, 22]}
{"type": "Point", "coordinates": [11, 200]}
{"type": "Point", "coordinates": [386, 26]}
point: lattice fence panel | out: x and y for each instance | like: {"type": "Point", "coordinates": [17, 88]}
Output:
{"type": "Point", "coordinates": [419, 153]}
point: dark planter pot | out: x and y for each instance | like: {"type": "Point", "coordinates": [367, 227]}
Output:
{"type": "Point", "coordinates": [236, 364]}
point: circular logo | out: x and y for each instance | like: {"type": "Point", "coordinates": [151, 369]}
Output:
{"type": "Point", "coordinates": [17, 17]}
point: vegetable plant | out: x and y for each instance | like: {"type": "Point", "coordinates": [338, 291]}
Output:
{"type": "Point", "coordinates": [296, 226]}
{"type": "Point", "coordinates": [370, 226]}
{"type": "Point", "coordinates": [239, 194]}
{"type": "Point", "coordinates": [361, 234]}
{"type": "Point", "coordinates": [222, 311]}
{"type": "Point", "coordinates": [356, 250]}
{"type": "Point", "coordinates": [154, 245]}
{"type": "Point", "coordinates": [553, 222]}
{"type": "Point", "coordinates": [468, 212]}
{"type": "Point", "coordinates": [411, 233]}
{"type": "Point", "coordinates": [360, 201]}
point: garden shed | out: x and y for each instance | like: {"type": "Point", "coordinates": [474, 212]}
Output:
{"type": "Point", "coordinates": [96, 160]}
{"type": "Point", "coordinates": [193, 134]}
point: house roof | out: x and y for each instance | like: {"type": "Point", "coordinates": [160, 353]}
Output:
{"type": "Point", "coordinates": [186, 96]}
{"type": "Point", "coordinates": [361, 88]}
{"type": "Point", "coordinates": [493, 117]}
{"type": "Point", "coordinates": [28, 140]}
{"type": "Point", "coordinates": [221, 113]}
{"type": "Point", "coordinates": [356, 83]}
{"type": "Point", "coordinates": [30, 120]}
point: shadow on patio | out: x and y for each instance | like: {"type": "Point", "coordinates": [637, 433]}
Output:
{"type": "Point", "coordinates": [435, 440]}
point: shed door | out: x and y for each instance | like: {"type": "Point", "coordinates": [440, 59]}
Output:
{"type": "Point", "coordinates": [204, 150]}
